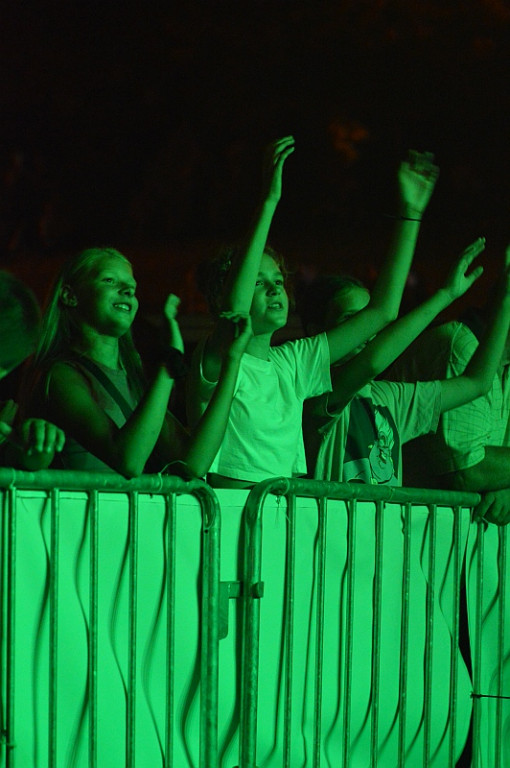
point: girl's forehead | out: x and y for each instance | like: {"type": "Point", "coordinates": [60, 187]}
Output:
{"type": "Point", "coordinates": [112, 264]}
{"type": "Point", "coordinates": [268, 264]}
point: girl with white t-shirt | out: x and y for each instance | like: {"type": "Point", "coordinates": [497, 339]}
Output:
{"type": "Point", "coordinates": [264, 435]}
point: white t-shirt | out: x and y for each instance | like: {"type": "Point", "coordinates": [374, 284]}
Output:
{"type": "Point", "coordinates": [264, 435]}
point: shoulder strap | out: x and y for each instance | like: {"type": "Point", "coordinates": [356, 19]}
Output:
{"type": "Point", "coordinates": [105, 382]}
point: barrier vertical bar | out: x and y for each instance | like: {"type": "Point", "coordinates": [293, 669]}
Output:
{"type": "Point", "coordinates": [404, 637]}
{"type": "Point", "coordinates": [131, 693]}
{"type": "Point", "coordinates": [11, 628]}
{"type": "Point", "coordinates": [209, 633]}
{"type": "Point", "coordinates": [477, 660]}
{"type": "Point", "coordinates": [319, 647]}
{"type": "Point", "coordinates": [251, 628]}
{"type": "Point", "coordinates": [351, 507]}
{"type": "Point", "coordinates": [93, 615]}
{"type": "Point", "coordinates": [454, 664]}
{"type": "Point", "coordinates": [289, 626]}
{"type": "Point", "coordinates": [376, 633]}
{"type": "Point", "coordinates": [170, 625]}
{"type": "Point", "coordinates": [429, 637]}
{"type": "Point", "coordinates": [53, 650]}
{"type": "Point", "coordinates": [502, 566]}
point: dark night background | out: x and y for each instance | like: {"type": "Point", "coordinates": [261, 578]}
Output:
{"type": "Point", "coordinates": [142, 125]}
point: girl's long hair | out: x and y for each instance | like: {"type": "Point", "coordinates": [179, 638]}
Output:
{"type": "Point", "coordinates": [59, 331]}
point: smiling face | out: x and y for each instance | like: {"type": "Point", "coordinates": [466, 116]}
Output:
{"type": "Point", "coordinates": [270, 304]}
{"type": "Point", "coordinates": [105, 299]}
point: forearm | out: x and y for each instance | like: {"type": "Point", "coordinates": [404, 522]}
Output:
{"type": "Point", "coordinates": [397, 336]}
{"type": "Point", "coordinates": [135, 441]}
{"type": "Point", "coordinates": [208, 434]}
{"type": "Point", "coordinates": [486, 359]}
{"type": "Point", "coordinates": [243, 273]}
{"type": "Point", "coordinates": [390, 284]}
{"type": "Point", "coordinates": [490, 474]}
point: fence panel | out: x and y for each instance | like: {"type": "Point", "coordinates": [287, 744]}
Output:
{"type": "Point", "coordinates": [356, 663]}
{"type": "Point", "coordinates": [488, 596]}
{"type": "Point", "coordinates": [99, 597]}
{"type": "Point", "coordinates": [342, 651]}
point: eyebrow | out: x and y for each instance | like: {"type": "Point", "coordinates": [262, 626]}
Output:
{"type": "Point", "coordinates": [276, 273]}
{"type": "Point", "coordinates": [109, 273]}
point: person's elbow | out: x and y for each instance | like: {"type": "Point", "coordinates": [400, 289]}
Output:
{"type": "Point", "coordinates": [129, 467]}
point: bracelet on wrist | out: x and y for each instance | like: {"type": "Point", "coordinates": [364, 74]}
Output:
{"type": "Point", "coordinates": [174, 362]}
{"type": "Point", "coordinates": [402, 218]}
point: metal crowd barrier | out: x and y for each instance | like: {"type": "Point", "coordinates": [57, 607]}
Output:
{"type": "Point", "coordinates": [331, 641]}
{"type": "Point", "coordinates": [88, 605]}
{"type": "Point", "coordinates": [402, 695]}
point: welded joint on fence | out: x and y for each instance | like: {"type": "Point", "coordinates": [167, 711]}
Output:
{"type": "Point", "coordinates": [488, 696]}
{"type": "Point", "coordinates": [4, 742]}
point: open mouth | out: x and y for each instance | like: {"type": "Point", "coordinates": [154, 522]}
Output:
{"type": "Point", "coordinates": [122, 307]}
{"type": "Point", "coordinates": [276, 305]}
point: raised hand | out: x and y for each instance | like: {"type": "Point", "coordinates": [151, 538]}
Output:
{"type": "Point", "coordinates": [174, 332]}
{"type": "Point", "coordinates": [241, 332]}
{"type": "Point", "coordinates": [417, 178]}
{"type": "Point", "coordinates": [276, 154]}
{"type": "Point", "coordinates": [458, 282]}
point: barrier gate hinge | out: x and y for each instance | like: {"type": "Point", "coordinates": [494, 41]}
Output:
{"type": "Point", "coordinates": [229, 590]}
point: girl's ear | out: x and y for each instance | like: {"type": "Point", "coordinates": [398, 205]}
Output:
{"type": "Point", "coordinates": [68, 296]}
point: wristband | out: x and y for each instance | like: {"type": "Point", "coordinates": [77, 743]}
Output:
{"type": "Point", "coordinates": [401, 218]}
{"type": "Point", "coordinates": [174, 362]}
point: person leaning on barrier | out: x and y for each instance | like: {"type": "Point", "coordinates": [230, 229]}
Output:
{"type": "Point", "coordinates": [471, 448]}
{"type": "Point", "coordinates": [264, 436]}
{"type": "Point", "coordinates": [87, 376]}
{"type": "Point", "coordinates": [32, 443]}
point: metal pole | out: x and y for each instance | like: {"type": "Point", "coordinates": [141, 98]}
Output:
{"type": "Point", "coordinates": [53, 660]}
{"type": "Point", "coordinates": [93, 639]}
{"type": "Point", "coordinates": [319, 648]}
{"type": "Point", "coordinates": [404, 637]}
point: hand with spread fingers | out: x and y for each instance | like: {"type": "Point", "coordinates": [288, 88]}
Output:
{"type": "Point", "coordinates": [459, 281]}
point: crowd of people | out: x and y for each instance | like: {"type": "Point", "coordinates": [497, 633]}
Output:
{"type": "Point", "coordinates": [314, 407]}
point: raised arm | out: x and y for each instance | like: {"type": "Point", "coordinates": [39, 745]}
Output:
{"type": "Point", "coordinates": [479, 373]}
{"type": "Point", "coordinates": [208, 434]}
{"type": "Point", "coordinates": [395, 338]}
{"type": "Point", "coordinates": [242, 275]}
{"type": "Point", "coordinates": [416, 180]}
